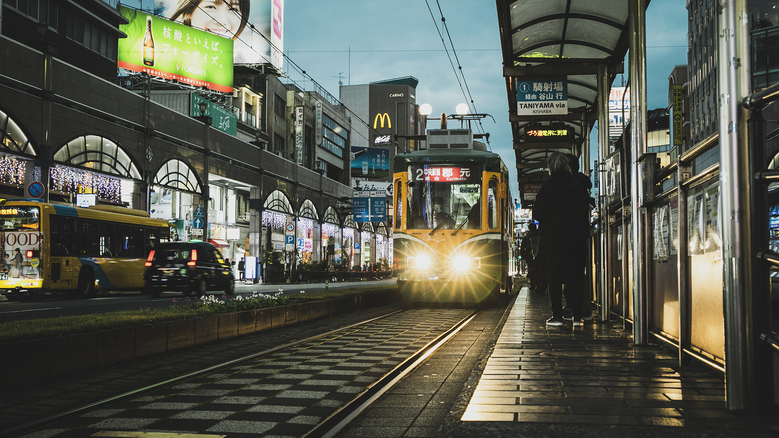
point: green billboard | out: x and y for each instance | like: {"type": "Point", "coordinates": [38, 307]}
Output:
{"type": "Point", "coordinates": [174, 51]}
{"type": "Point", "coordinates": [221, 118]}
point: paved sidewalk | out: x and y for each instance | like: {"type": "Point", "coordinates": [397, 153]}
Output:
{"type": "Point", "coordinates": [590, 381]}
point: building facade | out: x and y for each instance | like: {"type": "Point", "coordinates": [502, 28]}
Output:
{"type": "Point", "coordinates": [268, 164]}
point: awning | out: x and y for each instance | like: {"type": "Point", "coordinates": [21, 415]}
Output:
{"type": "Point", "coordinates": [219, 243]}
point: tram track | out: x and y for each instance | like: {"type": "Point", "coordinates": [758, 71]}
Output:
{"type": "Point", "coordinates": [323, 381]}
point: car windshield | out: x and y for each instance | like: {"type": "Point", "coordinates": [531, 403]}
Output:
{"type": "Point", "coordinates": [442, 197]}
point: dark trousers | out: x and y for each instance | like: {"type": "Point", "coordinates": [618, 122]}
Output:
{"type": "Point", "coordinates": [573, 298]}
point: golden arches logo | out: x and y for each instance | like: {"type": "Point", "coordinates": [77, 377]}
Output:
{"type": "Point", "coordinates": [381, 118]}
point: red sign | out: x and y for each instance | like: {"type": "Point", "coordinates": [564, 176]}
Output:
{"type": "Point", "coordinates": [443, 174]}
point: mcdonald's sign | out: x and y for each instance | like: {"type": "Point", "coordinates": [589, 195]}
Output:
{"type": "Point", "coordinates": [381, 117]}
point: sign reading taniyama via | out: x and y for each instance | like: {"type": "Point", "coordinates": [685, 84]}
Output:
{"type": "Point", "coordinates": [538, 97]}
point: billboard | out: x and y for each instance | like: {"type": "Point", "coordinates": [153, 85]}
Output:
{"type": "Point", "coordinates": [370, 163]}
{"type": "Point", "coordinates": [173, 51]}
{"type": "Point", "coordinates": [256, 26]}
{"type": "Point", "coordinates": [619, 110]}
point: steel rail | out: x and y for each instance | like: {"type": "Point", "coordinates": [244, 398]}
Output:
{"type": "Point", "coordinates": [340, 419]}
{"type": "Point", "coordinates": [54, 417]}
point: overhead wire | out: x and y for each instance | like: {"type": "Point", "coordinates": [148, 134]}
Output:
{"type": "Point", "coordinates": [319, 88]}
{"type": "Point", "coordinates": [464, 89]}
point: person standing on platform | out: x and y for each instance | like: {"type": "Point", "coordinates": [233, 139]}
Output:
{"type": "Point", "coordinates": [561, 210]}
{"type": "Point", "coordinates": [584, 180]}
{"type": "Point", "coordinates": [528, 255]}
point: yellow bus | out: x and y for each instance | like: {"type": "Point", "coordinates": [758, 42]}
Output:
{"type": "Point", "coordinates": [50, 248]}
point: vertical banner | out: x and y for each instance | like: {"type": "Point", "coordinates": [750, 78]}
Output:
{"type": "Point", "coordinates": [299, 135]}
{"type": "Point", "coordinates": [677, 117]}
{"type": "Point", "coordinates": [318, 129]}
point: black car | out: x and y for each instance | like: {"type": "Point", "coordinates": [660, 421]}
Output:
{"type": "Point", "coordinates": [189, 267]}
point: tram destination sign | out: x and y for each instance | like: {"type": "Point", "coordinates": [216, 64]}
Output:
{"type": "Point", "coordinates": [542, 96]}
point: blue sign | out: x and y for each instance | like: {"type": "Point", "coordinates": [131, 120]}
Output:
{"type": "Point", "coordinates": [301, 244]}
{"type": "Point", "coordinates": [197, 223]}
{"type": "Point", "coordinates": [369, 206]}
{"type": "Point", "coordinates": [199, 212]}
{"type": "Point", "coordinates": [35, 189]}
{"type": "Point", "coordinates": [290, 239]}
{"type": "Point", "coordinates": [357, 245]}
{"type": "Point", "coordinates": [370, 163]}
{"type": "Point", "coordinates": [542, 96]}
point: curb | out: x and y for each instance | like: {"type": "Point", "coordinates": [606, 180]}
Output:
{"type": "Point", "coordinates": [39, 359]}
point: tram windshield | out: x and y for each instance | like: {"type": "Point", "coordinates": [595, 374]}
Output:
{"type": "Point", "coordinates": [444, 197]}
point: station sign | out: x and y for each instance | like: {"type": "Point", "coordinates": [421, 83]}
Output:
{"type": "Point", "coordinates": [542, 96]}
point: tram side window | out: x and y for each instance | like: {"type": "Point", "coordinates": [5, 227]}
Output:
{"type": "Point", "coordinates": [399, 207]}
{"type": "Point", "coordinates": [492, 204]}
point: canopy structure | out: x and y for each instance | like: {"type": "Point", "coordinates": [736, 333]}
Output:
{"type": "Point", "coordinates": [553, 51]}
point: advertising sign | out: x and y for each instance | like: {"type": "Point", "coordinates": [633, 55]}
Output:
{"type": "Point", "coordinates": [369, 206]}
{"type": "Point", "coordinates": [223, 120]}
{"type": "Point", "coordinates": [619, 110]}
{"type": "Point", "coordinates": [174, 51]}
{"type": "Point", "coordinates": [299, 134]}
{"type": "Point", "coordinates": [677, 117]}
{"type": "Point", "coordinates": [542, 96]}
{"type": "Point", "coordinates": [370, 163]}
{"type": "Point", "coordinates": [250, 23]}
{"type": "Point", "coordinates": [318, 128]}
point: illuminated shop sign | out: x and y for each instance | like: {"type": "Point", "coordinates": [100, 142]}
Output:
{"type": "Point", "coordinates": [382, 139]}
{"type": "Point", "coordinates": [173, 51]}
{"type": "Point", "coordinates": [380, 120]}
{"type": "Point", "coordinates": [443, 174]}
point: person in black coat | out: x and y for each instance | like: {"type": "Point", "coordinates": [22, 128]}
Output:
{"type": "Point", "coordinates": [562, 211]}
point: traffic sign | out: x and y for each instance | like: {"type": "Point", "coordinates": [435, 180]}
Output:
{"type": "Point", "coordinates": [199, 212]}
{"type": "Point", "coordinates": [290, 240]}
{"type": "Point", "coordinates": [35, 189]}
{"type": "Point", "coordinates": [197, 222]}
{"type": "Point", "coordinates": [290, 227]}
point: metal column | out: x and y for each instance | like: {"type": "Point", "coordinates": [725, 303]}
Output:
{"type": "Point", "coordinates": [732, 86]}
{"type": "Point", "coordinates": [603, 150]}
{"type": "Point", "coordinates": [637, 66]}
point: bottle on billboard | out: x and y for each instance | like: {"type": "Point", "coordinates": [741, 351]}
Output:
{"type": "Point", "coordinates": [148, 44]}
{"type": "Point", "coordinates": [365, 167]}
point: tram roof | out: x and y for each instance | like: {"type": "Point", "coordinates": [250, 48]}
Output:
{"type": "Point", "coordinates": [553, 38]}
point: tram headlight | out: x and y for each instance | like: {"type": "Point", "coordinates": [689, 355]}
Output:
{"type": "Point", "coordinates": [465, 263]}
{"type": "Point", "coordinates": [420, 262]}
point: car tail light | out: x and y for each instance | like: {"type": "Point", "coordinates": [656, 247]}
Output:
{"type": "Point", "coordinates": [193, 260]}
{"type": "Point", "coordinates": [150, 258]}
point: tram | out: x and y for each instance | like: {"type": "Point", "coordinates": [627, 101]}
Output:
{"type": "Point", "coordinates": [453, 221]}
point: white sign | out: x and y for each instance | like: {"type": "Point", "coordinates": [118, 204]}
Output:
{"type": "Point", "coordinates": [299, 134]}
{"type": "Point", "coordinates": [86, 199]}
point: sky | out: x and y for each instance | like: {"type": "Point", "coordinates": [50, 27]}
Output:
{"type": "Point", "coordinates": [363, 41]}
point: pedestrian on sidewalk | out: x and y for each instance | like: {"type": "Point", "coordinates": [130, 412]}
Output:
{"type": "Point", "coordinates": [561, 210]}
{"type": "Point", "coordinates": [241, 268]}
{"type": "Point", "coordinates": [526, 250]}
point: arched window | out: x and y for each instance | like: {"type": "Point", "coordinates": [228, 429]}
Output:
{"type": "Point", "coordinates": [178, 175]}
{"type": "Point", "coordinates": [99, 154]}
